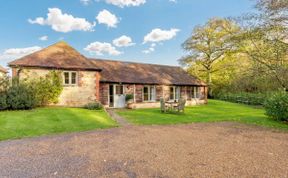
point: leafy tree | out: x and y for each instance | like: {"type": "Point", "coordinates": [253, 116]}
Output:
{"type": "Point", "coordinates": [274, 12]}
{"type": "Point", "coordinates": [264, 40]}
{"type": "Point", "coordinates": [208, 45]}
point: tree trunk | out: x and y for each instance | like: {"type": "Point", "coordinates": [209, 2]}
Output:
{"type": "Point", "coordinates": [209, 83]}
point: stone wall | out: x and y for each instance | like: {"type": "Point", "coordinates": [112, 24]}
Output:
{"type": "Point", "coordinates": [86, 90]}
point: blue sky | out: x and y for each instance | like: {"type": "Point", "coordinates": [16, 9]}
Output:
{"type": "Point", "coordinates": [90, 26]}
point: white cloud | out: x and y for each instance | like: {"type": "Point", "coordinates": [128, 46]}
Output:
{"type": "Point", "coordinates": [106, 17]}
{"type": "Point", "coordinates": [43, 38]}
{"type": "Point", "coordinates": [123, 3]}
{"type": "Point", "coordinates": [21, 51]}
{"type": "Point", "coordinates": [123, 41]}
{"type": "Point", "coordinates": [86, 2]}
{"type": "Point", "coordinates": [150, 49]}
{"type": "Point", "coordinates": [63, 22]}
{"type": "Point", "coordinates": [158, 35]}
{"type": "Point", "coordinates": [175, 1]}
{"type": "Point", "coordinates": [100, 48]}
{"type": "Point", "coordinates": [15, 53]}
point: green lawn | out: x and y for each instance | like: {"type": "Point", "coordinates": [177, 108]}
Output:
{"type": "Point", "coordinates": [44, 121]}
{"type": "Point", "coordinates": [214, 111]}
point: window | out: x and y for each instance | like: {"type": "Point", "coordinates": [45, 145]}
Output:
{"type": "Point", "coordinates": [149, 93]}
{"type": "Point", "coordinates": [73, 78]}
{"type": "Point", "coordinates": [66, 77]}
{"type": "Point", "coordinates": [174, 93]}
{"type": "Point", "coordinates": [70, 78]}
{"type": "Point", "coordinates": [119, 90]}
{"type": "Point", "coordinates": [171, 95]}
{"type": "Point", "coordinates": [195, 92]}
{"type": "Point", "coordinates": [177, 94]}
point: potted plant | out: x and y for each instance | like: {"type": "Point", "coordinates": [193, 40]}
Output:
{"type": "Point", "coordinates": [129, 101]}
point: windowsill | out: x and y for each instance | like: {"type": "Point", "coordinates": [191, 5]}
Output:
{"type": "Point", "coordinates": [70, 85]}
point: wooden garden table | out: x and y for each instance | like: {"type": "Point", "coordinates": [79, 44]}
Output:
{"type": "Point", "coordinates": [171, 104]}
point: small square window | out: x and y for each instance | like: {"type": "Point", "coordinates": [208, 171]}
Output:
{"type": "Point", "coordinates": [70, 78]}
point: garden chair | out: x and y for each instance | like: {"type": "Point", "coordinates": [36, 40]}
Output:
{"type": "Point", "coordinates": [163, 106]}
{"type": "Point", "coordinates": [181, 106]}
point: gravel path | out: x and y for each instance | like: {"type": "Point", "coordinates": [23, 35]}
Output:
{"type": "Point", "coordinates": [120, 120]}
{"type": "Point", "coordinates": [193, 150]}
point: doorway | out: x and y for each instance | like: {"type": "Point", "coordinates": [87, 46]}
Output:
{"type": "Point", "coordinates": [116, 96]}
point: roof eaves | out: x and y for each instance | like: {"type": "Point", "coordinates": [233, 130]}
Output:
{"type": "Point", "coordinates": [57, 68]}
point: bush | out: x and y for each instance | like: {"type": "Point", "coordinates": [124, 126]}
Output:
{"type": "Point", "coordinates": [245, 98]}
{"type": "Point", "coordinates": [3, 101]}
{"type": "Point", "coordinates": [276, 106]}
{"type": "Point", "coordinates": [94, 106]}
{"type": "Point", "coordinates": [20, 96]}
{"type": "Point", "coordinates": [128, 97]}
{"type": "Point", "coordinates": [4, 83]}
{"type": "Point", "coordinates": [27, 94]}
{"type": "Point", "coordinates": [47, 89]}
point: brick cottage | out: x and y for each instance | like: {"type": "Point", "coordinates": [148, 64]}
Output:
{"type": "Point", "coordinates": [87, 80]}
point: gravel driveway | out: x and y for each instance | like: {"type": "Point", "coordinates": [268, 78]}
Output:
{"type": "Point", "coordinates": [193, 150]}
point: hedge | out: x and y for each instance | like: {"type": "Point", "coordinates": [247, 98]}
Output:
{"type": "Point", "coordinates": [245, 98]}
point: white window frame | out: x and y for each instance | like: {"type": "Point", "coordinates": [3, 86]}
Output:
{"type": "Point", "coordinates": [176, 92]}
{"type": "Point", "coordinates": [196, 92]}
{"type": "Point", "coordinates": [70, 78]}
{"type": "Point", "coordinates": [122, 89]}
{"type": "Point", "coordinates": [151, 95]}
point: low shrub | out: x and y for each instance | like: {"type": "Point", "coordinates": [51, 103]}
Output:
{"type": "Point", "coordinates": [128, 97]}
{"type": "Point", "coordinates": [94, 106]}
{"type": "Point", "coordinates": [20, 96]}
{"type": "Point", "coordinates": [245, 98]}
{"type": "Point", "coordinates": [276, 106]}
{"type": "Point", "coordinates": [3, 101]}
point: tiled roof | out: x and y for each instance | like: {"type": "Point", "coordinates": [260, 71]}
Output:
{"type": "Point", "coordinates": [59, 56]}
{"type": "Point", "coordinates": [130, 72]}
{"type": "Point", "coordinates": [63, 56]}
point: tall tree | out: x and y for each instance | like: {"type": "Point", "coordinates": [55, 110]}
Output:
{"type": "Point", "coordinates": [274, 12]}
{"type": "Point", "coordinates": [208, 45]}
{"type": "Point", "coordinates": [265, 39]}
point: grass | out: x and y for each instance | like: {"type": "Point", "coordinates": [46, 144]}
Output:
{"type": "Point", "coordinates": [51, 120]}
{"type": "Point", "coordinates": [214, 111]}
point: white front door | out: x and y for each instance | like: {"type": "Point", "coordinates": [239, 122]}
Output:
{"type": "Point", "coordinates": [119, 97]}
